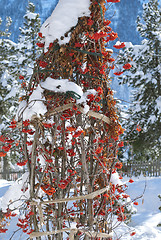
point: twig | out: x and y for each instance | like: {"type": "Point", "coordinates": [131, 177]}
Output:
{"type": "Point", "coordinates": [14, 233]}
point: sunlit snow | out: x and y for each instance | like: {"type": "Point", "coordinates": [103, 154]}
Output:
{"type": "Point", "coordinates": [55, 27]}
{"type": "Point", "coordinates": [144, 222]}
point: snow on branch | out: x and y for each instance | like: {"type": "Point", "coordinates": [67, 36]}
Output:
{"type": "Point", "coordinates": [62, 85]}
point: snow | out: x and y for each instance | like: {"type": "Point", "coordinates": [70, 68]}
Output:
{"type": "Point", "coordinates": [83, 100]}
{"type": "Point", "coordinates": [148, 215]}
{"type": "Point", "coordinates": [115, 179]}
{"type": "Point", "coordinates": [144, 222]}
{"type": "Point", "coordinates": [4, 78]}
{"type": "Point", "coordinates": [63, 85]}
{"type": "Point", "coordinates": [9, 42]}
{"type": "Point", "coordinates": [117, 43]}
{"type": "Point", "coordinates": [55, 27]}
{"type": "Point", "coordinates": [85, 109]}
{"type": "Point", "coordinates": [36, 101]}
{"type": "Point", "coordinates": [35, 105]}
{"type": "Point", "coordinates": [42, 161]}
{"type": "Point", "coordinates": [11, 94]}
{"type": "Point", "coordinates": [31, 15]}
{"type": "Point", "coordinates": [21, 59]}
{"type": "Point", "coordinates": [128, 44]}
{"type": "Point", "coordinates": [4, 183]}
{"type": "Point", "coordinates": [138, 49]}
{"type": "Point", "coordinates": [14, 194]}
{"type": "Point", "coordinates": [85, 94]}
{"type": "Point", "coordinates": [152, 119]}
{"type": "Point", "coordinates": [158, 104]}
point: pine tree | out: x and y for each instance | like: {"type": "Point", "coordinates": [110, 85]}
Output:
{"type": "Point", "coordinates": [144, 77]}
{"type": "Point", "coordinates": [28, 51]}
{"type": "Point", "coordinates": [7, 64]}
{"type": "Point", "coordinates": [17, 61]}
{"type": "Point", "coordinates": [8, 87]}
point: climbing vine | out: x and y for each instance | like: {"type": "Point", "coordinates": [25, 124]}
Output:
{"type": "Point", "coordinates": [70, 151]}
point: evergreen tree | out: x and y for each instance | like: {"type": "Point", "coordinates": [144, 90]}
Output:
{"type": "Point", "coordinates": [27, 48]}
{"type": "Point", "coordinates": [8, 87]}
{"type": "Point", "coordinates": [17, 61]}
{"type": "Point", "coordinates": [144, 78]}
{"type": "Point", "coordinates": [7, 64]}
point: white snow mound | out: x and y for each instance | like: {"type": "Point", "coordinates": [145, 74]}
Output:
{"type": "Point", "coordinates": [63, 18]}
{"type": "Point", "coordinates": [62, 85]}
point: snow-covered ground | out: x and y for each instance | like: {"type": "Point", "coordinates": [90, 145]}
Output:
{"type": "Point", "coordinates": [148, 216]}
{"type": "Point", "coordinates": [144, 222]}
{"type": "Point", "coordinates": [4, 185]}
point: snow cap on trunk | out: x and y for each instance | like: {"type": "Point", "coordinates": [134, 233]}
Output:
{"type": "Point", "coordinates": [63, 18]}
